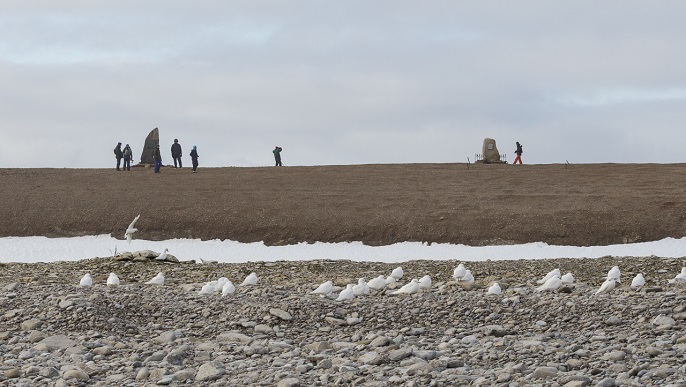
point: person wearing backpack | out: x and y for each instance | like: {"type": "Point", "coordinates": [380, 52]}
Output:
{"type": "Point", "coordinates": [518, 152]}
{"type": "Point", "coordinates": [194, 158]}
{"type": "Point", "coordinates": [118, 154]}
{"type": "Point", "coordinates": [128, 155]}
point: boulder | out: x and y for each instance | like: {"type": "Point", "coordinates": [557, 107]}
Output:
{"type": "Point", "coordinates": [151, 142]}
{"type": "Point", "coordinates": [490, 152]}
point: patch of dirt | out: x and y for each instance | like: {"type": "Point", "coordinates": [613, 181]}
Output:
{"type": "Point", "coordinates": [587, 204]}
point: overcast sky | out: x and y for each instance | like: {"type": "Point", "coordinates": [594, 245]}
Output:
{"type": "Point", "coordinates": [342, 82]}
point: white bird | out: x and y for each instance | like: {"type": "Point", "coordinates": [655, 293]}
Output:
{"type": "Point", "coordinates": [112, 280]}
{"type": "Point", "coordinates": [459, 272]}
{"type": "Point", "coordinates": [553, 283]}
{"type": "Point", "coordinates": [409, 288]}
{"type": "Point", "coordinates": [495, 289]}
{"type": "Point", "coordinates": [390, 280]}
{"type": "Point", "coordinates": [324, 289]}
{"type": "Point", "coordinates": [377, 283]}
{"type": "Point", "coordinates": [220, 284]}
{"type": "Point", "coordinates": [228, 288]}
{"type": "Point", "coordinates": [156, 280]}
{"type": "Point", "coordinates": [206, 261]}
{"type": "Point", "coordinates": [567, 278]}
{"type": "Point", "coordinates": [162, 256]}
{"type": "Point", "coordinates": [554, 272]}
{"type": "Point", "coordinates": [680, 278]}
{"type": "Point", "coordinates": [346, 294]}
{"type": "Point", "coordinates": [468, 277]}
{"type": "Point", "coordinates": [128, 234]}
{"type": "Point", "coordinates": [361, 287]}
{"type": "Point", "coordinates": [86, 280]}
{"type": "Point", "coordinates": [425, 282]}
{"type": "Point", "coordinates": [607, 286]}
{"type": "Point", "coordinates": [614, 274]}
{"type": "Point", "coordinates": [397, 273]}
{"type": "Point", "coordinates": [208, 288]}
{"type": "Point", "coordinates": [638, 281]}
{"type": "Point", "coordinates": [251, 279]}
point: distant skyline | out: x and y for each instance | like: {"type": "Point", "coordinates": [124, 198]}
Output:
{"type": "Point", "coordinates": [352, 82]}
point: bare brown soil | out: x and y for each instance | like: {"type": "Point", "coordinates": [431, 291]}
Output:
{"type": "Point", "coordinates": [589, 204]}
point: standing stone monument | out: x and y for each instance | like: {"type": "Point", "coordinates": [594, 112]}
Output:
{"type": "Point", "coordinates": [490, 152]}
{"type": "Point", "coordinates": [151, 142]}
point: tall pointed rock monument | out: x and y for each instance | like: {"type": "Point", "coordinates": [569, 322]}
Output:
{"type": "Point", "coordinates": [151, 142]}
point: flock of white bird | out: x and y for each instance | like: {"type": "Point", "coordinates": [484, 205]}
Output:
{"type": "Point", "coordinates": [550, 282]}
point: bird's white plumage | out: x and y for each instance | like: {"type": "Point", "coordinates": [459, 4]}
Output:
{"type": "Point", "coordinates": [390, 280]}
{"type": "Point", "coordinates": [128, 234]}
{"type": "Point", "coordinates": [468, 277]}
{"type": "Point", "coordinates": [86, 280]}
{"type": "Point", "coordinates": [554, 272]}
{"type": "Point", "coordinates": [163, 256]}
{"type": "Point", "coordinates": [156, 280]}
{"type": "Point", "coordinates": [459, 272]}
{"type": "Point", "coordinates": [208, 288]}
{"type": "Point", "coordinates": [346, 294]}
{"type": "Point", "coordinates": [220, 284]}
{"type": "Point", "coordinates": [607, 286]}
{"type": "Point", "coordinates": [361, 287]}
{"type": "Point", "coordinates": [638, 281]}
{"type": "Point", "coordinates": [112, 280]}
{"type": "Point", "coordinates": [251, 279]}
{"type": "Point", "coordinates": [614, 273]}
{"type": "Point", "coordinates": [425, 282]}
{"type": "Point", "coordinates": [553, 283]}
{"type": "Point", "coordinates": [397, 273]}
{"type": "Point", "coordinates": [567, 278]}
{"type": "Point", "coordinates": [228, 288]}
{"type": "Point", "coordinates": [323, 289]}
{"type": "Point", "coordinates": [495, 289]}
{"type": "Point", "coordinates": [679, 278]}
{"type": "Point", "coordinates": [409, 288]}
{"type": "Point", "coordinates": [377, 283]}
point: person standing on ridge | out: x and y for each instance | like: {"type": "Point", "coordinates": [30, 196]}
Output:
{"type": "Point", "coordinates": [128, 155]}
{"type": "Point", "coordinates": [277, 156]}
{"type": "Point", "coordinates": [194, 158]}
{"type": "Point", "coordinates": [118, 154]}
{"type": "Point", "coordinates": [157, 156]}
{"type": "Point", "coordinates": [176, 152]}
{"type": "Point", "coordinates": [518, 152]}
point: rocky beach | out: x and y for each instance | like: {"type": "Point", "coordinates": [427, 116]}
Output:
{"type": "Point", "coordinates": [54, 332]}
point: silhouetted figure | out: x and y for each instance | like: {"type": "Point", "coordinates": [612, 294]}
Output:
{"type": "Point", "coordinates": [277, 156]}
{"type": "Point", "coordinates": [176, 152]}
{"type": "Point", "coordinates": [118, 154]}
{"type": "Point", "coordinates": [128, 155]}
{"type": "Point", "coordinates": [194, 158]}
{"type": "Point", "coordinates": [157, 156]}
{"type": "Point", "coordinates": [518, 152]}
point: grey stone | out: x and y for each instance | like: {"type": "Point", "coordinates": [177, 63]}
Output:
{"type": "Point", "coordinates": [55, 342]}
{"type": "Point", "coordinates": [165, 338]}
{"type": "Point", "coordinates": [380, 341]}
{"type": "Point", "coordinates": [75, 374]}
{"type": "Point", "coordinates": [31, 325]}
{"type": "Point", "coordinates": [289, 382]}
{"type": "Point", "coordinates": [283, 315]}
{"type": "Point", "coordinates": [545, 372]}
{"type": "Point", "coordinates": [209, 372]}
{"type": "Point", "coordinates": [399, 354]}
{"type": "Point", "coordinates": [233, 337]}
{"type": "Point", "coordinates": [151, 142]}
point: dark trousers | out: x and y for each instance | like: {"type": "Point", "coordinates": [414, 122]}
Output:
{"type": "Point", "coordinates": [118, 162]}
{"type": "Point", "coordinates": [195, 164]}
{"type": "Point", "coordinates": [179, 159]}
{"type": "Point", "coordinates": [127, 164]}
{"type": "Point", "coordinates": [278, 162]}
{"type": "Point", "coordinates": [158, 164]}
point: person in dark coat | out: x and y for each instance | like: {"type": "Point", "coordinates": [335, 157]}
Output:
{"type": "Point", "coordinates": [277, 156]}
{"type": "Point", "coordinates": [157, 156]}
{"type": "Point", "coordinates": [176, 152]}
{"type": "Point", "coordinates": [118, 154]}
{"type": "Point", "coordinates": [128, 155]}
{"type": "Point", "coordinates": [194, 158]}
{"type": "Point", "coordinates": [518, 152]}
